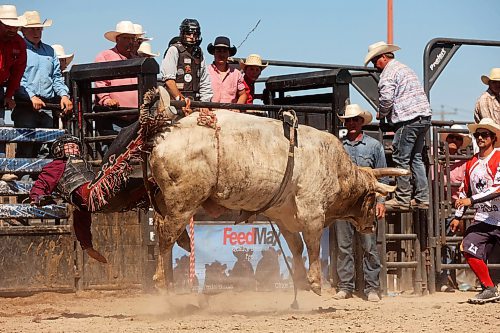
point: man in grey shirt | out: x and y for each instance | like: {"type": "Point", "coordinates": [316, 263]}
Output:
{"type": "Point", "coordinates": [367, 152]}
{"type": "Point", "coordinates": [183, 67]}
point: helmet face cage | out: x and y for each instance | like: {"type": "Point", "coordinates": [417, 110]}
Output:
{"type": "Point", "coordinates": [64, 146]}
{"type": "Point", "coordinates": [190, 26]}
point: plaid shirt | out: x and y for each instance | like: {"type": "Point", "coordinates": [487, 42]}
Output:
{"type": "Point", "coordinates": [487, 106]}
{"type": "Point", "coordinates": [402, 97]}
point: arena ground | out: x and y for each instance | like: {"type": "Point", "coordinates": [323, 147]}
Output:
{"type": "Point", "coordinates": [126, 311]}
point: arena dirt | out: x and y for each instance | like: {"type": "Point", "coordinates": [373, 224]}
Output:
{"type": "Point", "coordinates": [120, 311]}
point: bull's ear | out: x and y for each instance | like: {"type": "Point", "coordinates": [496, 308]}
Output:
{"type": "Point", "coordinates": [384, 188]}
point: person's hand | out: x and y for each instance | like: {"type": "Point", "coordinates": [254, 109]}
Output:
{"type": "Point", "coordinates": [464, 202]}
{"type": "Point", "coordinates": [96, 255]}
{"type": "Point", "coordinates": [10, 103]}
{"type": "Point", "coordinates": [112, 103]}
{"type": "Point", "coordinates": [66, 104]}
{"type": "Point", "coordinates": [37, 103]}
{"type": "Point", "coordinates": [456, 226]}
{"type": "Point", "coordinates": [380, 210]}
{"type": "Point", "coordinates": [378, 116]}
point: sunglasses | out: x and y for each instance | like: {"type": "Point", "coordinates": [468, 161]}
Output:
{"type": "Point", "coordinates": [354, 119]}
{"type": "Point", "coordinates": [484, 135]}
{"type": "Point", "coordinates": [374, 60]}
{"type": "Point", "coordinates": [455, 137]}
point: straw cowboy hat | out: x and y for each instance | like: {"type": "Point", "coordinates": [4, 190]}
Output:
{"type": "Point", "coordinates": [122, 27]}
{"type": "Point", "coordinates": [8, 16]}
{"type": "Point", "coordinates": [494, 76]}
{"type": "Point", "coordinates": [59, 49]}
{"type": "Point", "coordinates": [466, 137]}
{"type": "Point", "coordinates": [33, 20]}
{"type": "Point", "coordinates": [354, 110]}
{"type": "Point", "coordinates": [145, 48]}
{"type": "Point", "coordinates": [138, 30]}
{"type": "Point", "coordinates": [490, 125]}
{"type": "Point", "coordinates": [253, 60]}
{"type": "Point", "coordinates": [379, 48]}
{"type": "Point", "coordinates": [222, 41]}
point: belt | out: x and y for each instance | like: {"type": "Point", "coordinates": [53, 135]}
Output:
{"type": "Point", "coordinates": [406, 122]}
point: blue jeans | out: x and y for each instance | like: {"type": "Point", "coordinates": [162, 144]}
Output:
{"type": "Point", "coordinates": [26, 117]}
{"type": "Point", "coordinates": [408, 145]}
{"type": "Point", "coordinates": [2, 119]}
{"type": "Point", "coordinates": [345, 232]}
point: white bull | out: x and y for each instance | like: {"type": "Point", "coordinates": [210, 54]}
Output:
{"type": "Point", "coordinates": [242, 168]}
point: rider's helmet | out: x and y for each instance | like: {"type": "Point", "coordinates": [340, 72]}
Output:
{"type": "Point", "coordinates": [188, 27]}
{"type": "Point", "coordinates": [65, 146]}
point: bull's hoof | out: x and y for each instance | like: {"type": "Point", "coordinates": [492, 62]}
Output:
{"type": "Point", "coordinates": [316, 288]}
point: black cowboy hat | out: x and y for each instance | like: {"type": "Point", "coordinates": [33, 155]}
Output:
{"type": "Point", "coordinates": [222, 41]}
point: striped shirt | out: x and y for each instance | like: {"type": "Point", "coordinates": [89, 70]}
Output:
{"type": "Point", "coordinates": [402, 97]}
{"type": "Point", "coordinates": [481, 184]}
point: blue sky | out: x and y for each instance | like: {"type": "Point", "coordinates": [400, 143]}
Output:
{"type": "Point", "coordinates": [333, 31]}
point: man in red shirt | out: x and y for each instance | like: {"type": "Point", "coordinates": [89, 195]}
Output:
{"type": "Point", "coordinates": [69, 175]}
{"type": "Point", "coordinates": [12, 60]}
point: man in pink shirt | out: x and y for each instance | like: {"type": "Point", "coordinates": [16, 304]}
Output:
{"type": "Point", "coordinates": [227, 82]}
{"type": "Point", "coordinates": [125, 37]}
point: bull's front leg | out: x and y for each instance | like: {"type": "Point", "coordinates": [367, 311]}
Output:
{"type": "Point", "coordinates": [312, 240]}
{"type": "Point", "coordinates": [167, 233]}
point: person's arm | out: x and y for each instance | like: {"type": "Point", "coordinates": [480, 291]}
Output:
{"type": "Point", "coordinates": [477, 111]}
{"type": "Point", "coordinates": [104, 98]}
{"type": "Point", "coordinates": [206, 92]}
{"type": "Point", "coordinates": [242, 95]}
{"type": "Point", "coordinates": [47, 180]}
{"type": "Point", "coordinates": [168, 70]}
{"type": "Point", "coordinates": [387, 88]}
{"type": "Point", "coordinates": [16, 74]}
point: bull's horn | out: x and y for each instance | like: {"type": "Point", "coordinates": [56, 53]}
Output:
{"type": "Point", "coordinates": [384, 188]}
{"type": "Point", "coordinates": [385, 172]}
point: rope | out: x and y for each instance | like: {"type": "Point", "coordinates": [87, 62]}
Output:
{"type": "Point", "coordinates": [187, 109]}
{"type": "Point", "coordinates": [191, 254]}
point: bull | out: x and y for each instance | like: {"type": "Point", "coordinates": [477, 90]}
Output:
{"type": "Point", "coordinates": [241, 166]}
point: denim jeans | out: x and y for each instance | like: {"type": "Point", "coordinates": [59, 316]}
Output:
{"type": "Point", "coordinates": [448, 255]}
{"type": "Point", "coordinates": [345, 232]}
{"type": "Point", "coordinates": [408, 145]}
{"type": "Point", "coordinates": [26, 117]}
{"type": "Point", "coordinates": [2, 119]}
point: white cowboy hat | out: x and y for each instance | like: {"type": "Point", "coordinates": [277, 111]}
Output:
{"type": "Point", "coordinates": [59, 49]}
{"type": "Point", "coordinates": [379, 48]}
{"type": "Point", "coordinates": [138, 30]}
{"type": "Point", "coordinates": [8, 16]}
{"type": "Point", "coordinates": [354, 110]}
{"type": "Point", "coordinates": [490, 125]}
{"type": "Point", "coordinates": [145, 48]}
{"type": "Point", "coordinates": [33, 20]}
{"type": "Point", "coordinates": [253, 60]}
{"type": "Point", "coordinates": [466, 137]}
{"type": "Point", "coordinates": [494, 76]}
{"type": "Point", "coordinates": [122, 27]}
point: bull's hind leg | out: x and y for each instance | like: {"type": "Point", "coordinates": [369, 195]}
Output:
{"type": "Point", "coordinates": [296, 246]}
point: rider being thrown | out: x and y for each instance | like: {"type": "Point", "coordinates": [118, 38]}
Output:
{"type": "Point", "coordinates": [69, 175]}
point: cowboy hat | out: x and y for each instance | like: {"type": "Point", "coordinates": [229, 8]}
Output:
{"type": "Point", "coordinates": [222, 41]}
{"type": "Point", "coordinates": [354, 110]}
{"type": "Point", "coordinates": [145, 49]}
{"type": "Point", "coordinates": [494, 76]}
{"type": "Point", "coordinates": [490, 125]}
{"type": "Point", "coordinates": [138, 30]}
{"type": "Point", "coordinates": [122, 27]}
{"type": "Point", "coordinates": [33, 20]}
{"type": "Point", "coordinates": [253, 60]}
{"type": "Point", "coordinates": [379, 48]}
{"type": "Point", "coordinates": [8, 16]}
{"type": "Point", "coordinates": [467, 140]}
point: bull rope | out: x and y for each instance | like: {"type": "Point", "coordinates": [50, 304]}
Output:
{"type": "Point", "coordinates": [192, 273]}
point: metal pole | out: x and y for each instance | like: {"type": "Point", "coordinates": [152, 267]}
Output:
{"type": "Point", "coordinates": [390, 34]}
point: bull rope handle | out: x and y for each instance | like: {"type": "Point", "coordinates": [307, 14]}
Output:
{"type": "Point", "coordinates": [191, 254]}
